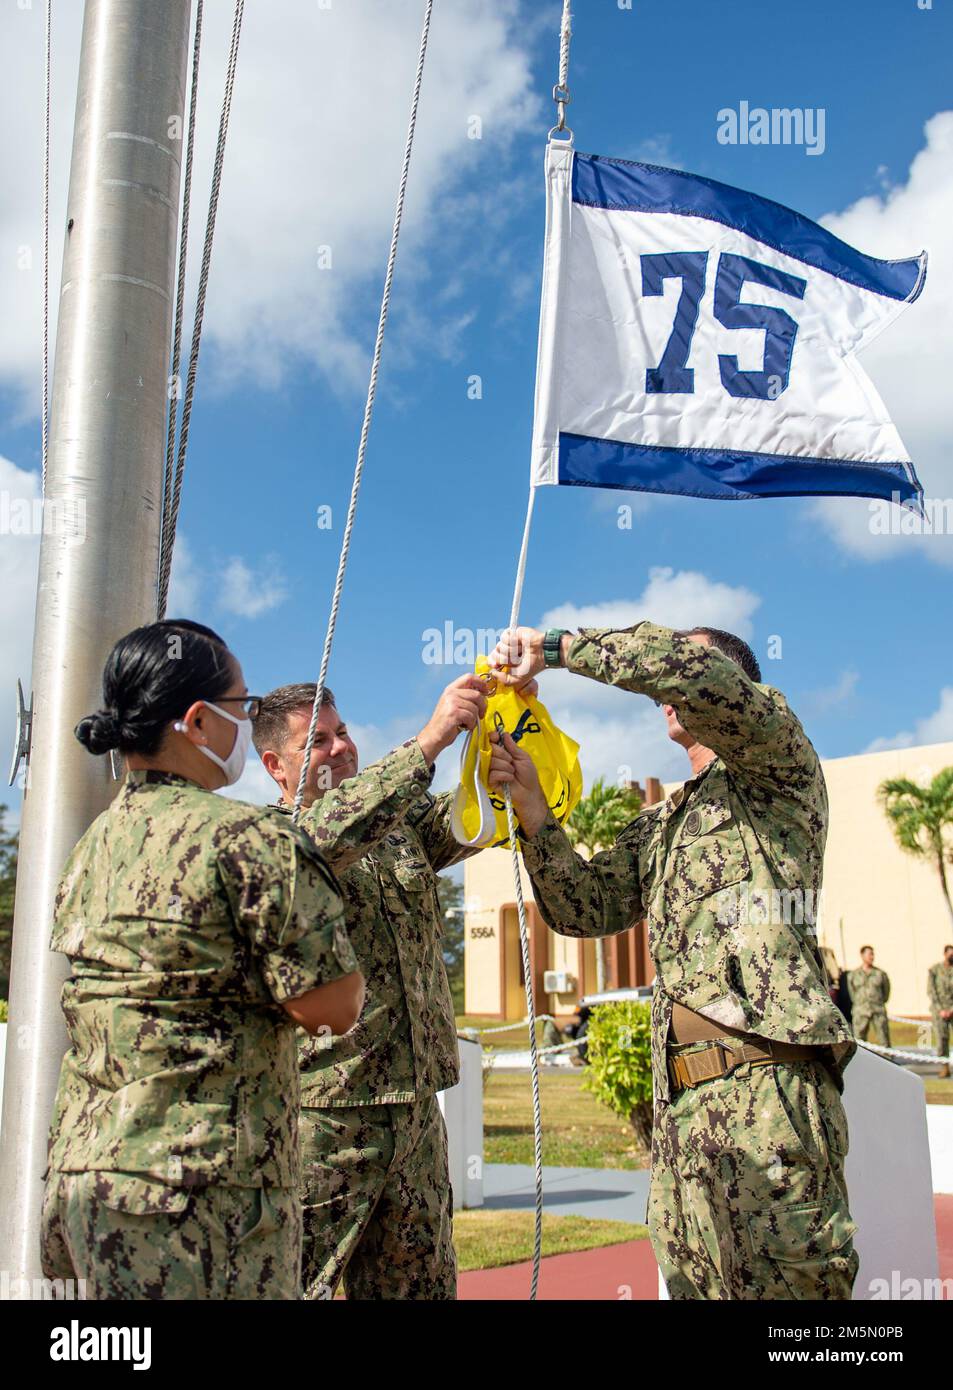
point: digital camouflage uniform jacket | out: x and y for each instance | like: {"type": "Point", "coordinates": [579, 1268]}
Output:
{"type": "Point", "coordinates": [188, 919]}
{"type": "Point", "coordinates": [869, 991]}
{"type": "Point", "coordinates": [386, 838]}
{"type": "Point", "coordinates": [724, 868]}
{"type": "Point", "coordinates": [940, 986]}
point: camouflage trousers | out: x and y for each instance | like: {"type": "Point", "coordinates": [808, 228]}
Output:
{"type": "Point", "coordinates": [133, 1239]}
{"type": "Point", "coordinates": [941, 1035]}
{"type": "Point", "coordinates": [378, 1210]}
{"type": "Point", "coordinates": [748, 1199]}
{"type": "Point", "coordinates": [862, 1021]}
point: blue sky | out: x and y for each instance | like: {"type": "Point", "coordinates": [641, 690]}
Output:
{"type": "Point", "coordinates": [866, 651]}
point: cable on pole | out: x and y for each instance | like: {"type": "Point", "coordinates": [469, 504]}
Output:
{"type": "Point", "coordinates": [45, 404]}
{"type": "Point", "coordinates": [165, 531]}
{"type": "Point", "coordinates": [172, 510]}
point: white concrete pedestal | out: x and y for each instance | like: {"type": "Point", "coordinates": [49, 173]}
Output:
{"type": "Point", "coordinates": [462, 1108]}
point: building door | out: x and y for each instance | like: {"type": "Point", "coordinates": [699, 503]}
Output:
{"type": "Point", "coordinates": [514, 981]}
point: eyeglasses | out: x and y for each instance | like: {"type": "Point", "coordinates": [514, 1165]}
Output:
{"type": "Point", "coordinates": [250, 703]}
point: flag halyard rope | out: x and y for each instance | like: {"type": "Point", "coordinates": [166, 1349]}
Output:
{"type": "Point", "coordinates": [366, 424]}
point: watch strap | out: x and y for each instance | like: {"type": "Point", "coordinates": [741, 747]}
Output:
{"type": "Point", "coordinates": [552, 645]}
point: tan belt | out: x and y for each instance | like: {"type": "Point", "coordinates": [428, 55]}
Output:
{"type": "Point", "coordinates": [690, 1027]}
{"type": "Point", "coordinates": [720, 1059]}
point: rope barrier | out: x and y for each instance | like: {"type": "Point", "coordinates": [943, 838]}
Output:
{"type": "Point", "coordinates": [929, 1058]}
{"type": "Point", "coordinates": [168, 539]}
{"type": "Point", "coordinates": [511, 1027]}
{"type": "Point", "coordinates": [366, 424]}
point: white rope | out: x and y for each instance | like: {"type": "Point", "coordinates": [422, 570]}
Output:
{"type": "Point", "coordinates": [165, 558]}
{"type": "Point", "coordinates": [167, 531]}
{"type": "Point", "coordinates": [365, 427]}
{"type": "Point", "coordinates": [927, 1057]}
{"type": "Point", "coordinates": [565, 34]}
{"type": "Point", "coordinates": [524, 940]}
{"type": "Point", "coordinates": [45, 405]}
{"type": "Point", "coordinates": [511, 1027]}
{"type": "Point", "coordinates": [561, 89]}
{"type": "Point", "coordinates": [561, 98]}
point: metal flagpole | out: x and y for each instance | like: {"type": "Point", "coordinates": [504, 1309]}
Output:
{"type": "Point", "coordinates": [99, 550]}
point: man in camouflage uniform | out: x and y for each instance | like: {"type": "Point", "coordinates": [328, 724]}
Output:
{"type": "Point", "coordinates": [869, 991]}
{"type": "Point", "coordinates": [940, 993]}
{"type": "Point", "coordinates": [192, 923]}
{"type": "Point", "coordinates": [376, 1188]}
{"type": "Point", "coordinates": [748, 1199]}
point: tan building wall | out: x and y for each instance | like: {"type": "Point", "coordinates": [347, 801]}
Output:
{"type": "Point", "coordinates": [881, 895]}
{"type": "Point", "coordinates": [884, 897]}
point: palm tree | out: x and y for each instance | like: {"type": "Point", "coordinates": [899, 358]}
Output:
{"type": "Point", "coordinates": [594, 824]}
{"type": "Point", "coordinates": [920, 816]}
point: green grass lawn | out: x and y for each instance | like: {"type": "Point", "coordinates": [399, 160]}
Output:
{"type": "Point", "coordinates": [578, 1132]}
{"type": "Point", "coordinates": [487, 1239]}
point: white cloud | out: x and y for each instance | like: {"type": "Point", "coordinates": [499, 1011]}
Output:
{"type": "Point", "coordinates": [620, 735]}
{"type": "Point", "coordinates": [676, 599]}
{"type": "Point", "coordinates": [184, 580]}
{"type": "Point", "coordinates": [656, 149]}
{"type": "Point", "coordinates": [933, 728]}
{"type": "Point", "coordinates": [912, 362]}
{"type": "Point", "coordinates": [248, 592]}
{"type": "Point", "coordinates": [237, 587]}
{"type": "Point", "coordinates": [19, 559]}
{"type": "Point", "coordinates": [834, 696]}
{"type": "Point", "coordinates": [316, 138]}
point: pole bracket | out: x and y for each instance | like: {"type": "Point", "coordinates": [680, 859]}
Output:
{"type": "Point", "coordinates": [21, 748]}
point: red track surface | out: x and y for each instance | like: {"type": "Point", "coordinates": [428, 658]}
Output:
{"type": "Point", "coordinates": [623, 1271]}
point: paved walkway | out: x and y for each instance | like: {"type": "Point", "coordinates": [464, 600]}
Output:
{"type": "Point", "coordinates": [604, 1194]}
{"type": "Point", "coordinates": [618, 1272]}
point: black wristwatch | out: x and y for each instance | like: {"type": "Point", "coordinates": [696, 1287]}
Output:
{"type": "Point", "coordinates": [552, 646]}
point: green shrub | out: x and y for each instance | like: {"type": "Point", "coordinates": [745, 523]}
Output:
{"type": "Point", "coordinates": [3, 1011]}
{"type": "Point", "coordinates": [620, 1062]}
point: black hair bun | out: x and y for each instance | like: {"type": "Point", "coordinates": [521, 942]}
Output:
{"type": "Point", "coordinates": [99, 732]}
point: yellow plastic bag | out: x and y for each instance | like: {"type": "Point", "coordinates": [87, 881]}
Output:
{"type": "Point", "coordinates": [479, 814]}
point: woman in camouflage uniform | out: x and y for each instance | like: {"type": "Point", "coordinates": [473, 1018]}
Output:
{"type": "Point", "coordinates": [201, 930]}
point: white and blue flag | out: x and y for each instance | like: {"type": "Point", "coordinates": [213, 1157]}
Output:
{"type": "Point", "coordinates": [700, 340]}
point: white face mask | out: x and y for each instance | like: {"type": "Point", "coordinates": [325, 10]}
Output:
{"type": "Point", "coordinates": [234, 765]}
